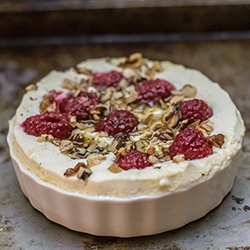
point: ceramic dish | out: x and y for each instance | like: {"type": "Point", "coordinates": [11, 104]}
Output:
{"type": "Point", "coordinates": [124, 217]}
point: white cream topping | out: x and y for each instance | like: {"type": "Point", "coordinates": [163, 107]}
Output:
{"type": "Point", "coordinates": [45, 159]}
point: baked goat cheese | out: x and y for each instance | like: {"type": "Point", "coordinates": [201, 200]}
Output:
{"type": "Point", "coordinates": [126, 127]}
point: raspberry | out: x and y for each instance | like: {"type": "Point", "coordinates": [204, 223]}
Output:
{"type": "Point", "coordinates": [108, 79]}
{"type": "Point", "coordinates": [134, 159]}
{"type": "Point", "coordinates": [54, 124]}
{"type": "Point", "coordinates": [153, 90]}
{"type": "Point", "coordinates": [79, 106]}
{"type": "Point", "coordinates": [192, 144]}
{"type": "Point", "coordinates": [118, 121]}
{"type": "Point", "coordinates": [196, 109]}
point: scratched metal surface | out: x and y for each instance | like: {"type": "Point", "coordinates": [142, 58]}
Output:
{"type": "Point", "coordinates": [226, 227]}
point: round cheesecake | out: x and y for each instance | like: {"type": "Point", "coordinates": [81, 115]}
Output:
{"type": "Point", "coordinates": [88, 158]}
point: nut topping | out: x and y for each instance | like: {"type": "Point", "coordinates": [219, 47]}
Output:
{"type": "Point", "coordinates": [84, 172]}
{"type": "Point", "coordinates": [66, 145]}
{"type": "Point", "coordinates": [95, 159]}
{"type": "Point", "coordinates": [187, 91]}
{"type": "Point", "coordinates": [178, 158]}
{"type": "Point", "coordinates": [73, 171]}
{"type": "Point", "coordinates": [217, 140]}
{"type": "Point", "coordinates": [114, 168]}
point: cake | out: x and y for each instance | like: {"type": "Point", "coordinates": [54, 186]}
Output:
{"type": "Point", "coordinates": [155, 100]}
{"type": "Point", "coordinates": [125, 146]}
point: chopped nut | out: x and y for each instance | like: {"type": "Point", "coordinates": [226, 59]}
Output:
{"type": "Point", "coordinates": [108, 94]}
{"type": "Point", "coordinates": [112, 147]}
{"type": "Point", "coordinates": [66, 145]}
{"type": "Point", "coordinates": [56, 142]}
{"type": "Point", "coordinates": [162, 104]}
{"type": "Point", "coordinates": [151, 118]}
{"type": "Point", "coordinates": [47, 104]}
{"type": "Point", "coordinates": [141, 127]}
{"type": "Point", "coordinates": [72, 119]}
{"type": "Point", "coordinates": [133, 97]}
{"type": "Point", "coordinates": [92, 146]}
{"type": "Point", "coordinates": [84, 71]}
{"type": "Point", "coordinates": [139, 109]}
{"type": "Point", "coordinates": [217, 140]}
{"type": "Point", "coordinates": [134, 61]}
{"type": "Point", "coordinates": [164, 134]}
{"type": "Point", "coordinates": [177, 99]}
{"type": "Point", "coordinates": [129, 145]}
{"type": "Point", "coordinates": [117, 95]}
{"type": "Point", "coordinates": [140, 145]}
{"type": "Point", "coordinates": [45, 137]}
{"type": "Point", "coordinates": [80, 125]}
{"type": "Point", "coordinates": [121, 152]}
{"type": "Point", "coordinates": [31, 87]}
{"type": "Point", "coordinates": [81, 152]}
{"type": "Point", "coordinates": [69, 172]}
{"type": "Point", "coordinates": [190, 123]}
{"type": "Point", "coordinates": [187, 91]}
{"type": "Point", "coordinates": [103, 134]}
{"type": "Point", "coordinates": [77, 92]}
{"type": "Point", "coordinates": [123, 84]}
{"type": "Point", "coordinates": [73, 171]}
{"type": "Point", "coordinates": [135, 57]}
{"type": "Point", "coordinates": [114, 168]}
{"type": "Point", "coordinates": [147, 134]}
{"type": "Point", "coordinates": [178, 158]}
{"type": "Point", "coordinates": [156, 126]}
{"type": "Point", "coordinates": [206, 126]}
{"type": "Point", "coordinates": [96, 117]}
{"type": "Point", "coordinates": [84, 173]}
{"type": "Point", "coordinates": [172, 119]}
{"type": "Point", "coordinates": [95, 159]}
{"type": "Point", "coordinates": [77, 136]}
{"type": "Point", "coordinates": [153, 159]}
{"type": "Point", "coordinates": [151, 150]}
{"type": "Point", "coordinates": [98, 109]}
{"type": "Point", "coordinates": [154, 140]}
{"type": "Point", "coordinates": [157, 66]}
{"type": "Point", "coordinates": [165, 158]}
{"type": "Point", "coordinates": [42, 138]}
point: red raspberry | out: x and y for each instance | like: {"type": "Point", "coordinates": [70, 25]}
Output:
{"type": "Point", "coordinates": [134, 159]}
{"type": "Point", "coordinates": [118, 121]}
{"type": "Point", "coordinates": [108, 79]}
{"type": "Point", "coordinates": [54, 124]}
{"type": "Point", "coordinates": [196, 109]}
{"type": "Point", "coordinates": [79, 106]}
{"type": "Point", "coordinates": [192, 144]}
{"type": "Point", "coordinates": [152, 90]}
